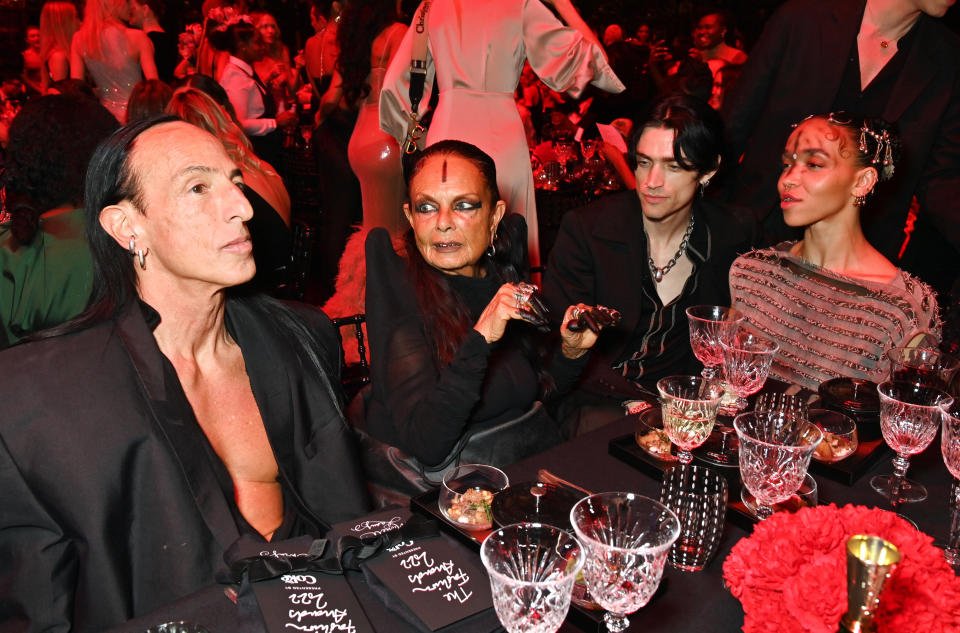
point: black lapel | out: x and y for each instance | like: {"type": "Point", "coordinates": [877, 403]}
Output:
{"type": "Point", "coordinates": [626, 227]}
{"type": "Point", "coordinates": [176, 423]}
{"type": "Point", "coordinates": [837, 35]}
{"type": "Point", "coordinates": [272, 386]}
{"type": "Point", "coordinates": [922, 64]}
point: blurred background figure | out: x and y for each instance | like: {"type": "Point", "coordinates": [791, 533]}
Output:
{"type": "Point", "coordinates": [46, 267]}
{"type": "Point", "coordinates": [146, 16]}
{"type": "Point", "coordinates": [710, 46]}
{"type": "Point", "coordinates": [263, 187]}
{"type": "Point", "coordinates": [257, 110]}
{"type": "Point", "coordinates": [369, 36]}
{"type": "Point", "coordinates": [32, 61]}
{"type": "Point", "coordinates": [58, 23]}
{"type": "Point", "coordinates": [115, 57]}
{"type": "Point", "coordinates": [322, 48]}
{"type": "Point", "coordinates": [187, 50]}
{"type": "Point", "coordinates": [275, 68]}
{"type": "Point", "coordinates": [148, 99]}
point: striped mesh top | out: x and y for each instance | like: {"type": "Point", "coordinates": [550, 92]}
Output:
{"type": "Point", "coordinates": [829, 325]}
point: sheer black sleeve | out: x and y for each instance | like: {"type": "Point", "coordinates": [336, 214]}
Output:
{"type": "Point", "coordinates": [419, 407]}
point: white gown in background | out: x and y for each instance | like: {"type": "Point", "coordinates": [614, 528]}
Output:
{"type": "Point", "coordinates": [476, 51]}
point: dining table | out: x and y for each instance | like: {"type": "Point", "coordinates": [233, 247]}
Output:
{"type": "Point", "coordinates": [686, 601]}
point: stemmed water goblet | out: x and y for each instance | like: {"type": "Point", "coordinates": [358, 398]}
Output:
{"type": "Point", "coordinates": [689, 410]}
{"type": "Point", "coordinates": [909, 418]}
{"type": "Point", "coordinates": [565, 152]}
{"type": "Point", "coordinates": [532, 569]}
{"type": "Point", "coordinates": [708, 326]}
{"type": "Point", "coordinates": [950, 446]}
{"type": "Point", "coordinates": [774, 455]}
{"type": "Point", "coordinates": [626, 537]}
{"type": "Point", "coordinates": [747, 358]}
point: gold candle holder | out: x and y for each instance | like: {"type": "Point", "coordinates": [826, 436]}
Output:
{"type": "Point", "coordinates": [870, 562]}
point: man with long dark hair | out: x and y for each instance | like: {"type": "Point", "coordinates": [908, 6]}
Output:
{"type": "Point", "coordinates": [174, 416]}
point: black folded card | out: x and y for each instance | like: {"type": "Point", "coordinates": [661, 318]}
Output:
{"type": "Point", "coordinates": [439, 581]}
{"type": "Point", "coordinates": [304, 595]}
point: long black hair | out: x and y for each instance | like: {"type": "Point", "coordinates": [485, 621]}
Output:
{"type": "Point", "coordinates": [698, 143]}
{"type": "Point", "coordinates": [360, 23]}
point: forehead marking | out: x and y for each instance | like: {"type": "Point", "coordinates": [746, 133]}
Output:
{"type": "Point", "coordinates": [443, 171]}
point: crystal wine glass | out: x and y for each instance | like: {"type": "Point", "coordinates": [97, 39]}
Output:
{"type": "Point", "coordinates": [747, 358]}
{"type": "Point", "coordinates": [708, 325]}
{"type": "Point", "coordinates": [950, 445]}
{"type": "Point", "coordinates": [922, 366]}
{"type": "Point", "coordinates": [627, 538]}
{"type": "Point", "coordinates": [532, 568]}
{"type": "Point", "coordinates": [909, 417]}
{"type": "Point", "coordinates": [689, 409]}
{"type": "Point", "coordinates": [774, 456]}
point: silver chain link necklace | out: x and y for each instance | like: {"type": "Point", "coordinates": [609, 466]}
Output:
{"type": "Point", "coordinates": [659, 271]}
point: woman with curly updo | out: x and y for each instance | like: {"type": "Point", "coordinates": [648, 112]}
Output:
{"type": "Point", "coordinates": [831, 300]}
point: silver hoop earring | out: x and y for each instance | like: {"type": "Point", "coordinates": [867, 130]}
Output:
{"type": "Point", "coordinates": [142, 258]}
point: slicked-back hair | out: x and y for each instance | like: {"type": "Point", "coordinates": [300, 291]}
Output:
{"type": "Point", "coordinates": [698, 143]}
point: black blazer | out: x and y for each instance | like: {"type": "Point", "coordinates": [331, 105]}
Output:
{"type": "Point", "coordinates": [600, 257]}
{"type": "Point", "coordinates": [111, 505]}
{"type": "Point", "coordinates": [795, 70]}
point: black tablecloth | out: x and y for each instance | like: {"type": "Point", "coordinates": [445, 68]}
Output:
{"type": "Point", "coordinates": [689, 602]}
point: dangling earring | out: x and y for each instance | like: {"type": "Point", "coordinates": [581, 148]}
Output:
{"type": "Point", "coordinates": [139, 252]}
{"type": "Point", "coordinates": [492, 249]}
{"type": "Point", "coordinates": [859, 201]}
{"type": "Point", "coordinates": [703, 185]}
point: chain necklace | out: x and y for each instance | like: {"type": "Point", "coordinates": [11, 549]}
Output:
{"type": "Point", "coordinates": [659, 271]}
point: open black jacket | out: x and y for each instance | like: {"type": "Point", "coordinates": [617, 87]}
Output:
{"type": "Point", "coordinates": [600, 258]}
{"type": "Point", "coordinates": [111, 506]}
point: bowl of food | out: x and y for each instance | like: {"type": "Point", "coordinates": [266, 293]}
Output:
{"type": "Point", "coordinates": [466, 496]}
{"type": "Point", "coordinates": [839, 435]}
{"type": "Point", "coordinates": [651, 437]}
